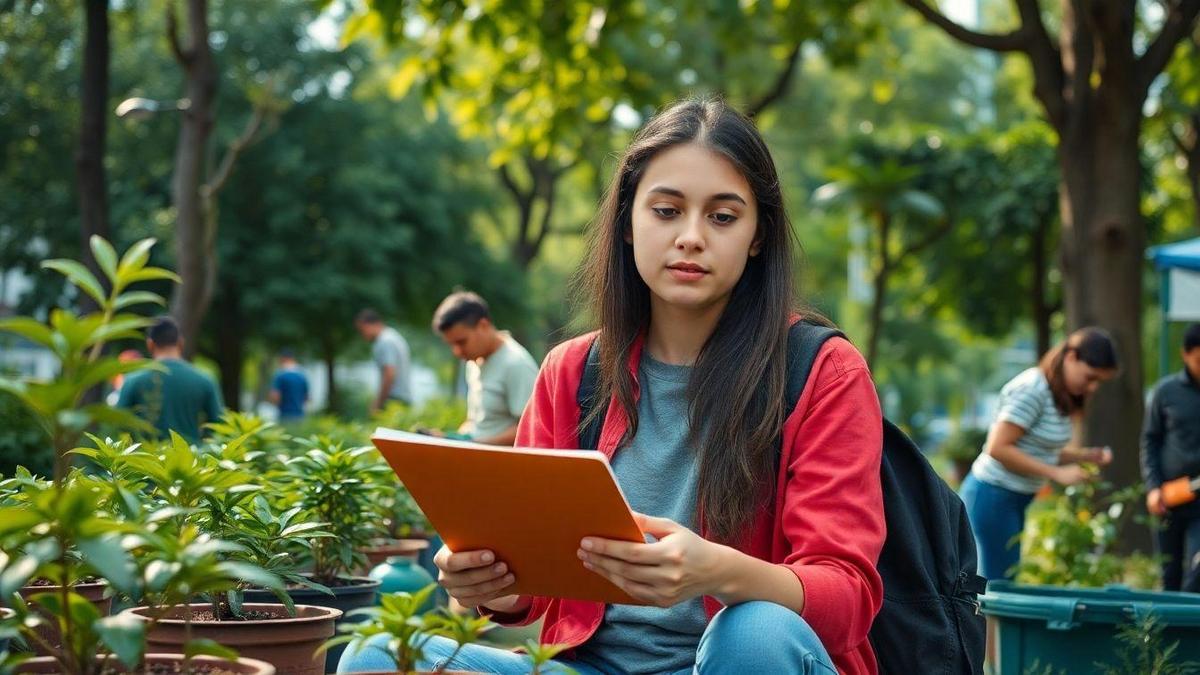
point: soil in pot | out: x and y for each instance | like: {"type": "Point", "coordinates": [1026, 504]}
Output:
{"type": "Point", "coordinates": [354, 593]}
{"type": "Point", "coordinates": [165, 664]}
{"type": "Point", "coordinates": [286, 642]}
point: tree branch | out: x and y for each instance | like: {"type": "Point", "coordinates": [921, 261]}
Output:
{"type": "Point", "coordinates": [184, 57]}
{"type": "Point", "coordinates": [548, 200]}
{"type": "Point", "coordinates": [1046, 60]}
{"type": "Point", "coordinates": [916, 247]}
{"type": "Point", "coordinates": [213, 186]}
{"type": "Point", "coordinates": [1181, 18]}
{"type": "Point", "coordinates": [782, 83]}
{"type": "Point", "coordinates": [1012, 41]}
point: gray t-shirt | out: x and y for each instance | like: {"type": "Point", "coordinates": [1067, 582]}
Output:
{"type": "Point", "coordinates": [1026, 401]}
{"type": "Point", "coordinates": [391, 349]}
{"type": "Point", "coordinates": [498, 390]}
{"type": "Point", "coordinates": [657, 472]}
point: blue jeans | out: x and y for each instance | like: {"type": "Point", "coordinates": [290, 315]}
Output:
{"type": "Point", "coordinates": [753, 637]}
{"type": "Point", "coordinates": [997, 518]}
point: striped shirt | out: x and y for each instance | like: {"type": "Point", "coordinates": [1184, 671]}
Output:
{"type": "Point", "coordinates": [1026, 401]}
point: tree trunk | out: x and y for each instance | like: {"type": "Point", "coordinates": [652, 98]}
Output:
{"type": "Point", "coordinates": [192, 240]}
{"type": "Point", "coordinates": [884, 223]}
{"type": "Point", "coordinates": [231, 347]}
{"type": "Point", "coordinates": [329, 356]}
{"type": "Point", "coordinates": [1103, 240]}
{"type": "Point", "coordinates": [1191, 153]}
{"type": "Point", "coordinates": [89, 158]}
{"type": "Point", "coordinates": [1040, 305]}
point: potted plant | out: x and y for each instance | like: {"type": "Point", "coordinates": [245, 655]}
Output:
{"type": "Point", "coordinates": [332, 485]}
{"type": "Point", "coordinates": [77, 342]}
{"type": "Point", "coordinates": [210, 499]}
{"type": "Point", "coordinates": [400, 628]}
{"type": "Point", "coordinates": [69, 518]}
{"type": "Point", "coordinates": [402, 527]}
{"type": "Point", "coordinates": [962, 447]}
{"type": "Point", "coordinates": [190, 565]}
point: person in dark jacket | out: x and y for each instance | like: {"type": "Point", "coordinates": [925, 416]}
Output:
{"type": "Point", "coordinates": [1171, 449]}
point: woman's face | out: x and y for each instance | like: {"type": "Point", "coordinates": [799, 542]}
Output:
{"type": "Point", "coordinates": [1082, 379]}
{"type": "Point", "coordinates": [695, 222]}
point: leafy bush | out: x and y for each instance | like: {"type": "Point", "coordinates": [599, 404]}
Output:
{"type": "Point", "coordinates": [1068, 540]}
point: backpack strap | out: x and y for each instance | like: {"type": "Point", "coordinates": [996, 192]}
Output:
{"type": "Point", "coordinates": [589, 435]}
{"type": "Point", "coordinates": [805, 340]}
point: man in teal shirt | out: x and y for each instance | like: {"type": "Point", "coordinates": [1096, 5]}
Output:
{"type": "Point", "coordinates": [182, 399]}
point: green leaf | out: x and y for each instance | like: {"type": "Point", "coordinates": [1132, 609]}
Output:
{"type": "Point", "coordinates": [252, 574]}
{"type": "Point", "coordinates": [31, 330]}
{"type": "Point", "coordinates": [17, 574]}
{"type": "Point", "coordinates": [152, 274]}
{"type": "Point", "coordinates": [79, 275]}
{"type": "Point", "coordinates": [125, 635]}
{"type": "Point", "coordinates": [207, 647]}
{"type": "Point", "coordinates": [137, 298]}
{"type": "Point", "coordinates": [17, 519]}
{"type": "Point", "coordinates": [135, 258]}
{"type": "Point", "coordinates": [113, 562]}
{"type": "Point", "coordinates": [105, 256]}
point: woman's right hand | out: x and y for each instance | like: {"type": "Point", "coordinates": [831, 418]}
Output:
{"type": "Point", "coordinates": [475, 578]}
{"type": "Point", "coordinates": [1070, 474]}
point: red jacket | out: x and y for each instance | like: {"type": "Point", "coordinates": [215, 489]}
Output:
{"type": "Point", "coordinates": [827, 522]}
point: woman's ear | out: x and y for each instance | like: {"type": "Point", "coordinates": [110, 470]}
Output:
{"type": "Point", "coordinates": [628, 236]}
{"type": "Point", "coordinates": [756, 245]}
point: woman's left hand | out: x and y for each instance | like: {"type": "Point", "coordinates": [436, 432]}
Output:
{"type": "Point", "coordinates": [680, 566]}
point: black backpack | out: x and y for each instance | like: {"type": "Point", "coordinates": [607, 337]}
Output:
{"type": "Point", "coordinates": [930, 621]}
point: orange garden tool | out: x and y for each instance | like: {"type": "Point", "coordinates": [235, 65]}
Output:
{"type": "Point", "coordinates": [1180, 491]}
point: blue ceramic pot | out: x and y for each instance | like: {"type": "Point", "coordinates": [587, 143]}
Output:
{"type": "Point", "coordinates": [402, 574]}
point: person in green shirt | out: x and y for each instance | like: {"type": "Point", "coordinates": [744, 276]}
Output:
{"type": "Point", "coordinates": [181, 399]}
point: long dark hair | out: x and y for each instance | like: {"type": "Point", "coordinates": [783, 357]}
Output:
{"type": "Point", "coordinates": [1094, 346]}
{"type": "Point", "coordinates": [736, 390]}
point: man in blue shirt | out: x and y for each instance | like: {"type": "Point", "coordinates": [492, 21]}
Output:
{"type": "Point", "coordinates": [289, 388]}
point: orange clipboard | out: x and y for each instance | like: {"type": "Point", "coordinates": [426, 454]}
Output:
{"type": "Point", "coordinates": [529, 506]}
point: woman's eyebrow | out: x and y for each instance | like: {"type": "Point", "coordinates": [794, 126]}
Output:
{"type": "Point", "coordinates": [719, 197]}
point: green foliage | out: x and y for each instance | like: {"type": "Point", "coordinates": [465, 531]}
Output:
{"type": "Point", "coordinates": [407, 630]}
{"type": "Point", "coordinates": [540, 655]}
{"type": "Point", "coordinates": [23, 442]}
{"type": "Point", "coordinates": [77, 343]}
{"type": "Point", "coordinates": [964, 445]}
{"type": "Point", "coordinates": [1069, 540]}
{"type": "Point", "coordinates": [336, 486]}
{"type": "Point", "coordinates": [1142, 650]}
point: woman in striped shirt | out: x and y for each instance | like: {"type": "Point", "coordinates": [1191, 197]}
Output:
{"type": "Point", "coordinates": [1031, 441]}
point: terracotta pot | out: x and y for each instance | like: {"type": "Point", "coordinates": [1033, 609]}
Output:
{"type": "Point", "coordinates": [382, 549]}
{"type": "Point", "coordinates": [93, 593]}
{"type": "Point", "coordinates": [243, 666]}
{"type": "Point", "coordinates": [288, 643]}
{"type": "Point", "coordinates": [356, 593]}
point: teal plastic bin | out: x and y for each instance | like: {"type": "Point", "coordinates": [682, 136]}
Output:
{"type": "Point", "coordinates": [1072, 629]}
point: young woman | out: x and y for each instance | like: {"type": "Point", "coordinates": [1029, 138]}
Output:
{"type": "Point", "coordinates": [763, 559]}
{"type": "Point", "coordinates": [1031, 442]}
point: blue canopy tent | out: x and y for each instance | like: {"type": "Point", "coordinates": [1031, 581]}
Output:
{"type": "Point", "coordinates": [1179, 295]}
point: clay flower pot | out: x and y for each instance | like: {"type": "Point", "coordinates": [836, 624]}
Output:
{"type": "Point", "coordinates": [288, 643]}
{"type": "Point", "coordinates": [354, 593]}
{"type": "Point", "coordinates": [382, 549]}
{"type": "Point", "coordinates": [165, 663]}
{"type": "Point", "coordinates": [92, 592]}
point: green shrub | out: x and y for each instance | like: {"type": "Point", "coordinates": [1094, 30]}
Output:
{"type": "Point", "coordinates": [1068, 540]}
